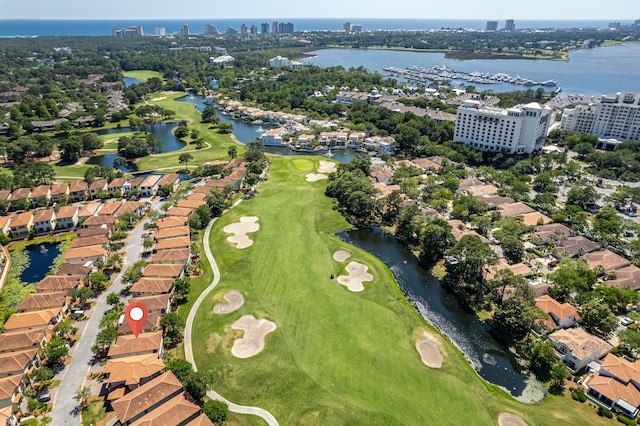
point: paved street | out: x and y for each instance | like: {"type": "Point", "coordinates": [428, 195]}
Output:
{"type": "Point", "coordinates": [75, 374]}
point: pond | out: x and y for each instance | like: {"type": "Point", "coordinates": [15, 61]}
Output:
{"type": "Point", "coordinates": [163, 130]}
{"type": "Point", "coordinates": [129, 81]}
{"type": "Point", "coordinates": [488, 357]}
{"type": "Point", "coordinates": [41, 257]}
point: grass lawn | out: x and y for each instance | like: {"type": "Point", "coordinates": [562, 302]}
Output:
{"type": "Point", "coordinates": [94, 412]}
{"type": "Point", "coordinates": [142, 75]}
{"type": "Point", "coordinates": [336, 357]}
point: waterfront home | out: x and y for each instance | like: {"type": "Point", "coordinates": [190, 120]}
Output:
{"type": "Point", "coordinates": [75, 269]}
{"type": "Point", "coordinates": [273, 137]}
{"type": "Point", "coordinates": [172, 179]}
{"type": "Point", "coordinates": [44, 221]}
{"type": "Point", "coordinates": [116, 184]}
{"type": "Point", "coordinates": [67, 217]}
{"type": "Point", "coordinates": [57, 283]}
{"type": "Point", "coordinates": [521, 269]}
{"type": "Point", "coordinates": [4, 225]}
{"type": "Point", "coordinates": [127, 373]}
{"type": "Point", "coordinates": [563, 315]}
{"type": "Point", "coordinates": [40, 192]}
{"type": "Point", "coordinates": [109, 208]}
{"type": "Point", "coordinates": [159, 303]}
{"type": "Point", "coordinates": [20, 225]}
{"type": "Point", "coordinates": [78, 191]}
{"type": "Point", "coordinates": [131, 184]}
{"type": "Point", "coordinates": [169, 270]}
{"type": "Point", "coordinates": [18, 363]}
{"type": "Point", "coordinates": [44, 318]}
{"type": "Point", "coordinates": [606, 259]}
{"type": "Point", "coordinates": [149, 185]}
{"type": "Point", "coordinates": [146, 286]}
{"type": "Point", "coordinates": [39, 301]}
{"type": "Point", "coordinates": [93, 240]}
{"type": "Point", "coordinates": [97, 186]}
{"type": "Point", "coordinates": [152, 323]}
{"type": "Point", "coordinates": [382, 144]}
{"type": "Point", "coordinates": [59, 191]}
{"type": "Point", "coordinates": [11, 390]}
{"type": "Point", "coordinates": [617, 385]}
{"type": "Point", "coordinates": [577, 348]}
{"type": "Point", "coordinates": [146, 343]}
{"type": "Point", "coordinates": [627, 277]}
{"type": "Point", "coordinates": [172, 256]}
{"type": "Point", "coordinates": [86, 254]}
{"type": "Point", "coordinates": [21, 340]}
{"type": "Point", "coordinates": [177, 231]}
{"type": "Point", "coordinates": [19, 194]}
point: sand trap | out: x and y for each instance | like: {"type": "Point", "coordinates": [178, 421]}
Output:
{"type": "Point", "coordinates": [254, 332]}
{"type": "Point", "coordinates": [235, 301]}
{"type": "Point", "coordinates": [357, 274]}
{"type": "Point", "coordinates": [507, 419]}
{"type": "Point", "coordinates": [312, 177]}
{"type": "Point", "coordinates": [341, 255]}
{"type": "Point", "coordinates": [429, 352]}
{"type": "Point", "coordinates": [247, 224]}
{"type": "Point", "coordinates": [158, 99]}
{"type": "Point", "coordinates": [327, 167]}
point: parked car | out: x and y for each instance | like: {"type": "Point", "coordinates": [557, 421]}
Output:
{"type": "Point", "coordinates": [44, 396]}
{"type": "Point", "coordinates": [626, 321]}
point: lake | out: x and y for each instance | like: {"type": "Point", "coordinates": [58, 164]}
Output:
{"type": "Point", "coordinates": [598, 71]}
{"type": "Point", "coordinates": [488, 357]}
{"type": "Point", "coordinates": [41, 257]}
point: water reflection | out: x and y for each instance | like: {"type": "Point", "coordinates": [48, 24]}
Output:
{"type": "Point", "coordinates": [41, 257]}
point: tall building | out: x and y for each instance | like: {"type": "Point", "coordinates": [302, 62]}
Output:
{"type": "Point", "coordinates": [132, 31]}
{"type": "Point", "coordinates": [210, 29]}
{"type": "Point", "coordinates": [518, 130]}
{"type": "Point", "coordinates": [243, 29]}
{"type": "Point", "coordinates": [346, 27]}
{"type": "Point", "coordinates": [275, 27]}
{"type": "Point", "coordinates": [510, 25]}
{"type": "Point", "coordinates": [356, 28]}
{"type": "Point", "coordinates": [492, 26]}
{"type": "Point", "coordinates": [285, 28]}
{"type": "Point", "coordinates": [231, 31]}
{"type": "Point", "coordinates": [264, 27]}
{"type": "Point", "coordinates": [610, 117]}
{"type": "Point", "coordinates": [184, 30]}
{"type": "Point", "coordinates": [160, 31]}
{"type": "Point", "coordinates": [253, 29]}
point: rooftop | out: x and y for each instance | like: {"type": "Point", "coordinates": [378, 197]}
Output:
{"type": "Point", "coordinates": [580, 343]}
{"type": "Point", "coordinates": [146, 342]}
{"type": "Point", "coordinates": [35, 319]}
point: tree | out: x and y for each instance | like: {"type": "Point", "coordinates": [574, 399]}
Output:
{"type": "Point", "coordinates": [232, 151]}
{"type": "Point", "coordinates": [70, 150]}
{"type": "Point", "coordinates": [184, 158]}
{"type": "Point", "coordinates": [147, 243]}
{"type": "Point", "coordinates": [181, 288]}
{"type": "Point", "coordinates": [119, 163]}
{"type": "Point", "coordinates": [513, 249]}
{"type": "Point", "coordinates": [181, 368]}
{"type": "Point", "coordinates": [197, 385]}
{"type": "Point", "coordinates": [629, 341]}
{"type": "Point", "coordinates": [91, 141]}
{"type": "Point", "coordinates": [55, 351]}
{"type": "Point", "coordinates": [216, 201]}
{"type": "Point", "coordinates": [558, 374]}
{"type": "Point", "coordinates": [436, 240]}
{"type": "Point", "coordinates": [98, 281]}
{"type": "Point", "coordinates": [65, 329]}
{"type": "Point", "coordinates": [607, 225]}
{"type": "Point", "coordinates": [465, 263]}
{"type": "Point", "coordinates": [543, 358]}
{"type": "Point", "coordinates": [114, 300]}
{"type": "Point", "coordinates": [597, 317]}
{"type": "Point", "coordinates": [225, 127]}
{"type": "Point", "coordinates": [582, 195]}
{"type": "Point", "coordinates": [573, 275]}
{"type": "Point", "coordinates": [543, 183]}
{"type": "Point", "coordinates": [104, 339]}
{"type": "Point", "coordinates": [40, 375]}
{"type": "Point", "coordinates": [173, 326]}
{"type": "Point", "coordinates": [216, 411]}
{"type": "Point", "coordinates": [81, 295]}
{"type": "Point", "coordinates": [82, 395]}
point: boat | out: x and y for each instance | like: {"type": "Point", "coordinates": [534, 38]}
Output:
{"type": "Point", "coordinates": [43, 249]}
{"type": "Point", "coordinates": [529, 83]}
{"type": "Point", "coordinates": [549, 83]}
{"type": "Point", "coordinates": [558, 90]}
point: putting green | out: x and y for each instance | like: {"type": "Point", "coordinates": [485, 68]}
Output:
{"type": "Point", "coordinates": [336, 357]}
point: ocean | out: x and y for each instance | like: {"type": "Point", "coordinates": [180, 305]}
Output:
{"type": "Point", "coordinates": [42, 27]}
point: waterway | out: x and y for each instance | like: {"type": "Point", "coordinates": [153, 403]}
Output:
{"type": "Point", "coordinates": [489, 358]}
{"type": "Point", "coordinates": [598, 71]}
{"type": "Point", "coordinates": [130, 81]}
{"type": "Point", "coordinates": [41, 257]}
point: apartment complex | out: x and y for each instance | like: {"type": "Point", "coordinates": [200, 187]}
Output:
{"type": "Point", "coordinates": [518, 130]}
{"type": "Point", "coordinates": [610, 117]}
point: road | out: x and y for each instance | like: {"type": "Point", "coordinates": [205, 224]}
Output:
{"type": "Point", "coordinates": [188, 350]}
{"type": "Point", "coordinates": [75, 374]}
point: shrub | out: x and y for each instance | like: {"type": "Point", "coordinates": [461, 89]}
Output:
{"type": "Point", "coordinates": [579, 395]}
{"type": "Point", "coordinates": [625, 420]}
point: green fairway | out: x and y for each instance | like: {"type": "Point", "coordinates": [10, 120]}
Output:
{"type": "Point", "coordinates": [142, 75]}
{"type": "Point", "coordinates": [336, 357]}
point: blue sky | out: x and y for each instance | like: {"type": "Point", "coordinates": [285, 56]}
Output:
{"type": "Point", "coordinates": [427, 9]}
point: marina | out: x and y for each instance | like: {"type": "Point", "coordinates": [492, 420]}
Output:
{"type": "Point", "coordinates": [446, 73]}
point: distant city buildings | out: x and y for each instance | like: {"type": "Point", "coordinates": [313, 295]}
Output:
{"type": "Point", "coordinates": [253, 29]}
{"type": "Point", "coordinates": [210, 29]}
{"type": "Point", "coordinates": [510, 25]}
{"type": "Point", "coordinates": [184, 31]}
{"type": "Point", "coordinates": [279, 62]}
{"type": "Point", "coordinates": [132, 31]}
{"type": "Point", "coordinates": [231, 31]}
{"type": "Point", "coordinates": [348, 27]}
{"type": "Point", "coordinates": [264, 27]}
{"type": "Point", "coordinates": [244, 29]}
{"type": "Point", "coordinates": [610, 117]}
{"type": "Point", "coordinates": [285, 28]}
{"type": "Point", "coordinates": [160, 31]}
{"type": "Point", "coordinates": [274, 27]}
{"type": "Point", "coordinates": [492, 26]}
{"type": "Point", "coordinates": [518, 130]}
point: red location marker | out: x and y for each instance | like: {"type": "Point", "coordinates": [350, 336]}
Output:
{"type": "Point", "coordinates": [136, 314]}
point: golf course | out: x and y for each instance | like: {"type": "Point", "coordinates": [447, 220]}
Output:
{"type": "Point", "coordinates": [333, 356]}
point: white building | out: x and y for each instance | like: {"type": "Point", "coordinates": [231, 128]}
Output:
{"type": "Point", "coordinates": [611, 117]}
{"type": "Point", "coordinates": [280, 62]}
{"type": "Point", "coordinates": [273, 137]}
{"type": "Point", "coordinates": [518, 130]}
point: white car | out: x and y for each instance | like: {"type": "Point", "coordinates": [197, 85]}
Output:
{"type": "Point", "coordinates": [626, 321]}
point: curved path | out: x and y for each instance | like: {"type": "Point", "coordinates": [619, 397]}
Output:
{"type": "Point", "coordinates": [188, 350]}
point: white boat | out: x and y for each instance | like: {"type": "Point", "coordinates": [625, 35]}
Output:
{"type": "Point", "coordinates": [549, 83]}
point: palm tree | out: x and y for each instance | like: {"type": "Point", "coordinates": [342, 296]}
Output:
{"type": "Point", "coordinates": [185, 158]}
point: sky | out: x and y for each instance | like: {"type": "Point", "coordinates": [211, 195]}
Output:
{"type": "Point", "coordinates": [624, 10]}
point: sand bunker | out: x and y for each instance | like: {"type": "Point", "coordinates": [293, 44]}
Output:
{"type": "Point", "coordinates": [247, 224]}
{"type": "Point", "coordinates": [158, 99]}
{"type": "Point", "coordinates": [235, 301]}
{"type": "Point", "coordinates": [254, 332]}
{"type": "Point", "coordinates": [429, 352]}
{"type": "Point", "coordinates": [312, 177]}
{"type": "Point", "coordinates": [357, 274]}
{"type": "Point", "coordinates": [507, 419]}
{"type": "Point", "coordinates": [341, 255]}
{"type": "Point", "coordinates": [327, 167]}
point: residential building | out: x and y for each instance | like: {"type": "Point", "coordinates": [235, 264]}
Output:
{"type": "Point", "coordinates": [86, 254]}
{"type": "Point", "coordinates": [134, 207]}
{"type": "Point", "coordinates": [273, 137]}
{"type": "Point", "coordinates": [610, 117]}
{"type": "Point", "coordinates": [574, 246]}
{"type": "Point", "coordinates": [617, 385]}
{"type": "Point", "coordinates": [605, 259]}
{"type": "Point", "coordinates": [44, 221]}
{"type": "Point", "coordinates": [93, 240]}
{"type": "Point", "coordinates": [33, 320]}
{"type": "Point", "coordinates": [89, 209]}
{"type": "Point", "coordinates": [518, 130]}
{"type": "Point", "coordinates": [172, 179]}
{"type": "Point", "coordinates": [172, 222]}
{"type": "Point", "coordinates": [492, 26]}
{"type": "Point", "coordinates": [20, 225]}
{"type": "Point", "coordinates": [264, 27]}
{"type": "Point", "coordinates": [146, 286]}
{"type": "Point", "coordinates": [57, 283]}
{"type": "Point", "coordinates": [19, 194]}
{"type": "Point", "coordinates": [67, 217]}
{"type": "Point", "coordinates": [178, 212]}
{"type": "Point", "coordinates": [149, 185]}
{"type": "Point", "coordinates": [160, 303]}
{"type": "Point", "coordinates": [170, 270]}
{"type": "Point", "coordinates": [18, 363]}
{"type": "Point", "coordinates": [563, 315]}
{"type": "Point", "coordinates": [152, 323]}
{"type": "Point", "coordinates": [510, 25]}
{"type": "Point", "coordinates": [109, 208]}
{"type": "Point", "coordinates": [115, 185]}
{"type": "Point", "coordinates": [21, 340]}
{"type": "Point", "coordinates": [285, 28]}
{"type": "Point", "coordinates": [146, 343]}
{"type": "Point", "coordinates": [210, 29]}
{"type": "Point", "coordinates": [577, 348]}
{"type": "Point", "coordinates": [78, 191]}
{"type": "Point", "coordinates": [75, 269]}
{"type": "Point", "coordinates": [184, 31]}
{"type": "Point", "coordinates": [40, 192]}
{"type": "Point", "coordinates": [99, 221]}
{"type": "Point", "coordinates": [625, 278]}
{"type": "Point", "coordinates": [97, 186]}
{"type": "Point", "coordinates": [131, 372]}
{"type": "Point", "coordinates": [172, 256]}
{"type": "Point", "coordinates": [4, 225]}
{"type": "Point", "coordinates": [11, 390]}
{"type": "Point", "coordinates": [39, 301]}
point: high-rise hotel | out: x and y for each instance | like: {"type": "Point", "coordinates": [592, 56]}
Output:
{"type": "Point", "coordinates": [610, 117]}
{"type": "Point", "coordinates": [518, 130]}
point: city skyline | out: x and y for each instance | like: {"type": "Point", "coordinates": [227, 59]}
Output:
{"type": "Point", "coordinates": [288, 9]}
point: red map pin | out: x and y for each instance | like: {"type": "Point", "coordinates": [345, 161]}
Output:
{"type": "Point", "coordinates": [136, 314]}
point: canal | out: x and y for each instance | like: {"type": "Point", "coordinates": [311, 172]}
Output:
{"type": "Point", "coordinates": [41, 257]}
{"type": "Point", "coordinates": [489, 358]}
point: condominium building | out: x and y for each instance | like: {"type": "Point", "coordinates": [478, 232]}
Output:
{"type": "Point", "coordinates": [210, 29]}
{"type": "Point", "coordinates": [492, 26]}
{"type": "Point", "coordinates": [264, 27]}
{"type": "Point", "coordinates": [610, 117]}
{"type": "Point", "coordinates": [518, 130]}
